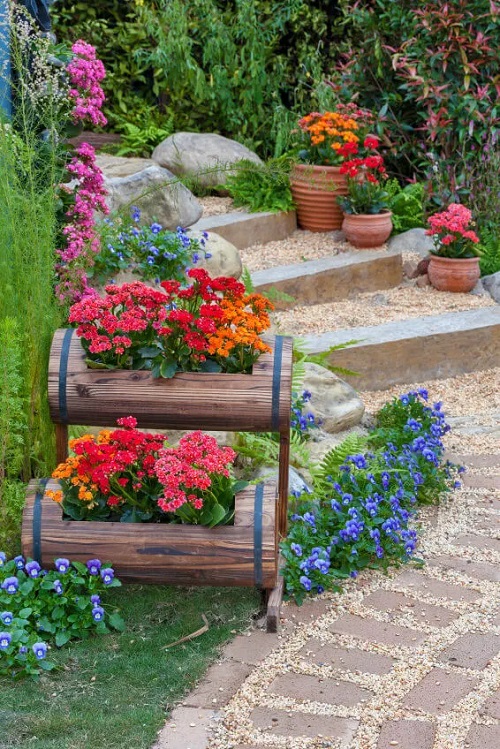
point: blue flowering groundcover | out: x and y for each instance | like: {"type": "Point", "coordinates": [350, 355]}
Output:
{"type": "Point", "coordinates": [363, 509]}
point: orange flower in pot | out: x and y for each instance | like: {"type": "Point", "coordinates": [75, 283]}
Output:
{"type": "Point", "coordinates": [367, 220]}
{"type": "Point", "coordinates": [327, 140]}
{"type": "Point", "coordinates": [454, 263]}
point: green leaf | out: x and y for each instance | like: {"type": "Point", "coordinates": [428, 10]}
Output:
{"type": "Point", "coordinates": [149, 352]}
{"type": "Point", "coordinates": [91, 364]}
{"type": "Point", "coordinates": [57, 613]}
{"type": "Point", "coordinates": [25, 613]}
{"type": "Point", "coordinates": [210, 366]}
{"type": "Point", "coordinates": [239, 485]}
{"type": "Point", "coordinates": [168, 369]}
{"type": "Point", "coordinates": [62, 638]}
{"type": "Point", "coordinates": [46, 666]}
{"type": "Point", "coordinates": [80, 567]}
{"type": "Point", "coordinates": [218, 515]}
{"type": "Point", "coordinates": [117, 622]}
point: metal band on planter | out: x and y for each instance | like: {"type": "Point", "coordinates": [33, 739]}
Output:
{"type": "Point", "coordinates": [37, 522]}
{"type": "Point", "coordinates": [63, 375]}
{"type": "Point", "coordinates": [275, 402]}
{"type": "Point", "coordinates": [257, 534]}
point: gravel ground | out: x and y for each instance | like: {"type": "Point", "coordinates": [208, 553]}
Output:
{"type": "Point", "coordinates": [298, 247]}
{"type": "Point", "coordinates": [466, 395]}
{"type": "Point", "coordinates": [404, 302]}
{"type": "Point", "coordinates": [472, 401]}
{"type": "Point", "coordinates": [215, 206]}
{"type": "Point", "coordinates": [451, 703]}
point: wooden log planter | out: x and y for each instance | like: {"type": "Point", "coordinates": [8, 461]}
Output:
{"type": "Point", "coordinates": [243, 554]}
{"type": "Point", "coordinates": [256, 402]}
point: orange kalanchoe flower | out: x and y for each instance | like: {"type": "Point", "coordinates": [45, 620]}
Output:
{"type": "Point", "coordinates": [326, 134]}
{"type": "Point", "coordinates": [237, 332]}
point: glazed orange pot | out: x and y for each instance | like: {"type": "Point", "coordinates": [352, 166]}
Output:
{"type": "Point", "coordinates": [365, 231]}
{"type": "Point", "coordinates": [315, 190]}
{"type": "Point", "coordinates": [454, 274]}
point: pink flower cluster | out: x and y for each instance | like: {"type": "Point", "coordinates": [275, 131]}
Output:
{"type": "Point", "coordinates": [86, 72]}
{"type": "Point", "coordinates": [452, 225]}
{"type": "Point", "coordinates": [81, 237]}
{"type": "Point", "coordinates": [184, 471]}
{"type": "Point", "coordinates": [110, 323]}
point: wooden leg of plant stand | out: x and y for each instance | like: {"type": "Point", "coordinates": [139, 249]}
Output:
{"type": "Point", "coordinates": [61, 442]}
{"type": "Point", "coordinates": [274, 599]}
{"type": "Point", "coordinates": [284, 461]}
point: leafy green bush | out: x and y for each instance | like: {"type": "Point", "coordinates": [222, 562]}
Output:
{"type": "Point", "coordinates": [431, 73]}
{"type": "Point", "coordinates": [406, 205]}
{"type": "Point", "coordinates": [363, 506]}
{"type": "Point", "coordinates": [29, 169]}
{"type": "Point", "coordinates": [489, 247]}
{"type": "Point", "coordinates": [142, 139]}
{"type": "Point", "coordinates": [40, 609]}
{"type": "Point", "coordinates": [261, 187]}
{"type": "Point", "coordinates": [237, 68]}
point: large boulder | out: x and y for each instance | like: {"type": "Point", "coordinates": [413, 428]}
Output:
{"type": "Point", "coordinates": [225, 259]}
{"type": "Point", "coordinates": [333, 401]}
{"type": "Point", "coordinates": [492, 285]}
{"type": "Point", "coordinates": [207, 157]}
{"type": "Point", "coordinates": [413, 240]}
{"type": "Point", "coordinates": [159, 195]}
{"type": "Point", "coordinates": [121, 166]}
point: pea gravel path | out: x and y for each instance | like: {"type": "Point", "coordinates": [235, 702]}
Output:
{"type": "Point", "coordinates": [410, 660]}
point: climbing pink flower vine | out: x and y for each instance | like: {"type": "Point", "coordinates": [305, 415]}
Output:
{"type": "Point", "coordinates": [85, 72]}
{"type": "Point", "coordinates": [82, 240]}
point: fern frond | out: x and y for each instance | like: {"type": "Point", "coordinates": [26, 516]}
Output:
{"type": "Point", "coordinates": [246, 280]}
{"type": "Point", "coordinates": [300, 455]}
{"type": "Point", "coordinates": [301, 356]}
{"type": "Point", "coordinates": [298, 375]}
{"type": "Point", "coordinates": [275, 295]}
{"type": "Point", "coordinates": [332, 461]}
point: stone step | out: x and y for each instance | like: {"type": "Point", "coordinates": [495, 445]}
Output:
{"type": "Point", "coordinates": [330, 279]}
{"type": "Point", "coordinates": [245, 229]}
{"type": "Point", "coordinates": [416, 350]}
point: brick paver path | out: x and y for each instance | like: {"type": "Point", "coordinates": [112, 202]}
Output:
{"type": "Point", "coordinates": [410, 660]}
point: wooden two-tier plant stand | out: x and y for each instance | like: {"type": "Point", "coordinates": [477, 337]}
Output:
{"type": "Point", "coordinates": [245, 553]}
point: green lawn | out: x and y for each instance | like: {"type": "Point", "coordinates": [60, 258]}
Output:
{"type": "Point", "coordinates": [116, 690]}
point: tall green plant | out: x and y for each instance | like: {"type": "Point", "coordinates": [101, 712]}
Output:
{"type": "Point", "coordinates": [13, 432]}
{"type": "Point", "coordinates": [30, 168]}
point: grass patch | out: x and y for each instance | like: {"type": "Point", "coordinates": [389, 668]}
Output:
{"type": "Point", "coordinates": [115, 691]}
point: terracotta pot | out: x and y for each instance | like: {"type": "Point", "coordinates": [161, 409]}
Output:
{"type": "Point", "coordinates": [367, 230]}
{"type": "Point", "coordinates": [454, 274]}
{"type": "Point", "coordinates": [315, 190]}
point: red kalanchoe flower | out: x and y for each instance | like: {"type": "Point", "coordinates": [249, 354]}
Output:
{"type": "Point", "coordinates": [371, 142]}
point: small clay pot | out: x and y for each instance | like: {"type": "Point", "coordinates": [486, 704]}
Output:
{"type": "Point", "coordinates": [366, 231]}
{"type": "Point", "coordinates": [454, 274]}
